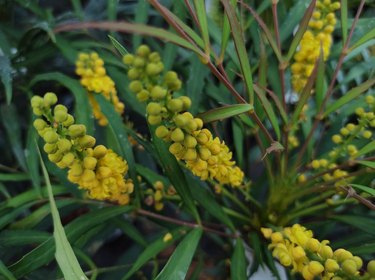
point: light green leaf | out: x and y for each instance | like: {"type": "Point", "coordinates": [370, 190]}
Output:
{"type": "Point", "coordinates": [364, 188]}
{"type": "Point", "coordinates": [238, 261]}
{"type": "Point", "coordinates": [120, 48]}
{"type": "Point", "coordinates": [64, 254]}
{"type": "Point", "coordinates": [178, 264]}
{"type": "Point", "coordinates": [202, 19]}
{"type": "Point", "coordinates": [366, 224]}
{"type": "Point", "coordinates": [367, 163]}
{"type": "Point", "coordinates": [5, 272]}
{"type": "Point", "coordinates": [9, 238]}
{"type": "Point", "coordinates": [344, 20]}
{"type": "Point", "coordinates": [366, 149]}
{"type": "Point", "coordinates": [367, 37]}
{"type": "Point", "coordinates": [225, 112]}
{"type": "Point", "coordinates": [6, 77]}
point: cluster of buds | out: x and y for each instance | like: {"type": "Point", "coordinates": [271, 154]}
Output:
{"type": "Point", "coordinates": [297, 248]}
{"type": "Point", "coordinates": [96, 169]}
{"type": "Point", "coordinates": [316, 38]}
{"type": "Point", "coordinates": [95, 79]}
{"type": "Point", "coordinates": [206, 156]}
{"type": "Point", "coordinates": [157, 194]}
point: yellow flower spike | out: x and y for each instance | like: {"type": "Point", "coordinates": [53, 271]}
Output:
{"type": "Point", "coordinates": [167, 237]}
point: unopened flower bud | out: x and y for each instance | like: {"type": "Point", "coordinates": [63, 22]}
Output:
{"type": "Point", "coordinates": [77, 130]}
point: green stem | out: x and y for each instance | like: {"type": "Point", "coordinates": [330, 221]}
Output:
{"type": "Point", "coordinates": [234, 199]}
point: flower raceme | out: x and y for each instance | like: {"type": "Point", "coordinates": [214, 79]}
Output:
{"type": "Point", "coordinates": [297, 248]}
{"type": "Point", "coordinates": [206, 156]}
{"type": "Point", "coordinates": [96, 169]}
{"type": "Point", "coordinates": [94, 78]}
{"type": "Point", "coordinates": [316, 38]}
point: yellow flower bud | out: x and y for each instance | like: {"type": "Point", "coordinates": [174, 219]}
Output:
{"type": "Point", "coordinates": [307, 275]}
{"type": "Point", "coordinates": [167, 237]}
{"type": "Point", "coordinates": [51, 136]}
{"type": "Point", "coordinates": [331, 265]}
{"type": "Point", "coordinates": [215, 148]}
{"type": "Point", "coordinates": [358, 262]}
{"type": "Point", "coordinates": [39, 124]}
{"type": "Point", "coordinates": [68, 159]}
{"type": "Point", "coordinates": [266, 232]}
{"type": "Point", "coordinates": [180, 120]}
{"type": "Point", "coordinates": [276, 237]}
{"type": "Point", "coordinates": [349, 266]}
{"type": "Point", "coordinates": [37, 102]}
{"type": "Point", "coordinates": [176, 148]}
{"type": "Point", "coordinates": [191, 126]}
{"type": "Point", "coordinates": [139, 62]}
{"type": "Point", "coordinates": [158, 93]}
{"type": "Point", "coordinates": [186, 101]}
{"type": "Point", "coordinates": [298, 252]}
{"type": "Point", "coordinates": [100, 151]}
{"type": "Point", "coordinates": [76, 169]}
{"type": "Point", "coordinates": [315, 164]}
{"type": "Point", "coordinates": [154, 120]}
{"type": "Point", "coordinates": [370, 99]}
{"type": "Point", "coordinates": [177, 135]}
{"type": "Point", "coordinates": [88, 175]}
{"type": "Point", "coordinates": [158, 195]}
{"type": "Point", "coordinates": [49, 99]}
{"type": "Point", "coordinates": [133, 74]}
{"type": "Point", "coordinates": [190, 141]}
{"type": "Point", "coordinates": [158, 185]}
{"type": "Point", "coordinates": [143, 51]}
{"type": "Point", "coordinates": [367, 134]}
{"type": "Point", "coordinates": [371, 268]}
{"type": "Point", "coordinates": [313, 245]}
{"type": "Point", "coordinates": [135, 86]}
{"type": "Point", "coordinates": [60, 116]}
{"type": "Point", "coordinates": [336, 139]}
{"type": "Point", "coordinates": [153, 69]}
{"type": "Point", "coordinates": [326, 252]}
{"type": "Point", "coordinates": [89, 163]}
{"type": "Point", "coordinates": [69, 121]}
{"type": "Point", "coordinates": [202, 138]}
{"type": "Point", "coordinates": [128, 59]}
{"type": "Point", "coordinates": [64, 145]}
{"type": "Point", "coordinates": [56, 157]}
{"type": "Point", "coordinates": [76, 130]}
{"type": "Point", "coordinates": [104, 172]}
{"type": "Point", "coordinates": [315, 268]}
{"type": "Point", "coordinates": [87, 141]}
{"type": "Point", "coordinates": [162, 131]}
{"type": "Point", "coordinates": [199, 123]}
{"type": "Point", "coordinates": [204, 153]}
{"type": "Point", "coordinates": [190, 154]}
{"type": "Point", "coordinates": [159, 206]}
{"type": "Point", "coordinates": [143, 95]}
{"type": "Point", "coordinates": [60, 107]}
{"type": "Point", "coordinates": [342, 255]}
{"type": "Point", "coordinates": [153, 108]}
{"type": "Point", "coordinates": [175, 105]}
{"type": "Point", "coordinates": [50, 148]}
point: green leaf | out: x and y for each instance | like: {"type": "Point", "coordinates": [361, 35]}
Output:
{"type": "Point", "coordinates": [344, 20]}
{"type": "Point", "coordinates": [131, 28]}
{"type": "Point", "coordinates": [225, 35]}
{"type": "Point", "coordinates": [9, 238]}
{"type": "Point", "coordinates": [364, 188]}
{"type": "Point", "coordinates": [366, 224]}
{"type": "Point", "coordinates": [64, 254]}
{"type": "Point", "coordinates": [178, 264]}
{"type": "Point", "coordinates": [202, 19]}
{"type": "Point", "coordinates": [82, 106]}
{"type": "Point", "coordinates": [367, 37]}
{"type": "Point", "coordinates": [368, 148]}
{"type": "Point", "coordinates": [5, 272]}
{"type": "Point", "coordinates": [365, 249]}
{"type": "Point", "coordinates": [240, 48]}
{"type": "Point", "coordinates": [367, 163]}
{"type": "Point", "coordinates": [31, 155]}
{"type": "Point", "coordinates": [349, 96]}
{"type": "Point", "coordinates": [12, 126]}
{"type": "Point", "coordinates": [225, 112]}
{"type": "Point", "coordinates": [172, 169]}
{"type": "Point", "coordinates": [141, 14]}
{"type": "Point", "coordinates": [131, 231]}
{"type": "Point", "coordinates": [301, 30]}
{"type": "Point", "coordinates": [120, 48]}
{"type": "Point", "coordinates": [14, 177]}
{"type": "Point", "coordinates": [152, 250]}
{"type": "Point", "coordinates": [238, 261]}
{"type": "Point", "coordinates": [6, 77]}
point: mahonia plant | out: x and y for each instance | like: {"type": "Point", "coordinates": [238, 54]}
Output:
{"type": "Point", "coordinates": [205, 155]}
{"type": "Point", "coordinates": [297, 248]}
{"type": "Point", "coordinates": [316, 38]}
{"type": "Point", "coordinates": [96, 169]}
{"type": "Point", "coordinates": [96, 81]}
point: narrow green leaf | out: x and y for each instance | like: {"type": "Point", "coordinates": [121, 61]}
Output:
{"type": "Point", "coordinates": [367, 163]}
{"type": "Point", "coordinates": [225, 112]}
{"type": "Point", "coordinates": [240, 48]}
{"type": "Point", "coordinates": [174, 173]}
{"type": "Point", "coordinates": [6, 77]}
{"type": "Point", "coordinates": [131, 231]}
{"type": "Point", "coordinates": [9, 238]}
{"type": "Point", "coordinates": [366, 224]}
{"type": "Point", "coordinates": [367, 37]}
{"type": "Point", "coordinates": [141, 14]}
{"type": "Point", "coordinates": [131, 28]}
{"type": "Point", "coordinates": [301, 30]}
{"type": "Point", "coordinates": [202, 19]}
{"type": "Point", "coordinates": [344, 20]}
{"type": "Point", "coordinates": [365, 249]}
{"type": "Point", "coordinates": [64, 254]}
{"type": "Point", "coordinates": [77, 8]}
{"type": "Point", "coordinates": [12, 123]}
{"type": "Point", "coordinates": [178, 264]}
{"type": "Point", "coordinates": [320, 86]}
{"type": "Point", "coordinates": [369, 190]}
{"type": "Point", "coordinates": [14, 177]}
{"type": "Point", "coordinates": [82, 106]}
{"type": "Point", "coordinates": [152, 250]}
{"type": "Point", "coordinates": [120, 48]}
{"type": "Point", "coordinates": [238, 261]}
{"type": "Point", "coordinates": [269, 111]}
{"type": "Point", "coordinates": [31, 155]}
{"type": "Point", "coordinates": [366, 149]}
{"type": "Point", "coordinates": [5, 272]}
{"type": "Point", "coordinates": [225, 35]}
{"type": "Point", "coordinates": [349, 96]}
{"type": "Point", "coordinates": [112, 9]}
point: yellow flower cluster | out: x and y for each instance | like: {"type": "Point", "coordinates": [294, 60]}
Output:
{"type": "Point", "coordinates": [96, 169]}
{"type": "Point", "coordinates": [318, 36]}
{"type": "Point", "coordinates": [346, 148]}
{"type": "Point", "coordinates": [297, 248]}
{"type": "Point", "coordinates": [94, 78]}
{"type": "Point", "coordinates": [206, 156]}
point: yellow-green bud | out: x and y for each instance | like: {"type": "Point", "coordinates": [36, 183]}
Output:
{"type": "Point", "coordinates": [87, 141]}
{"type": "Point", "coordinates": [313, 245]}
{"type": "Point", "coordinates": [176, 148]}
{"type": "Point", "coordinates": [331, 265]}
{"type": "Point", "coordinates": [180, 120]}
{"type": "Point", "coordinates": [358, 261]}
{"type": "Point", "coordinates": [139, 62]}
{"type": "Point", "coordinates": [37, 111]}
{"type": "Point", "coordinates": [199, 123]}
{"type": "Point", "coordinates": [154, 120]}
{"type": "Point", "coordinates": [298, 252]}
{"type": "Point", "coordinates": [143, 95]}
{"type": "Point", "coordinates": [135, 86]}
{"type": "Point", "coordinates": [371, 268]}
{"type": "Point", "coordinates": [88, 175]}
{"type": "Point", "coordinates": [315, 268]}
{"type": "Point", "coordinates": [342, 255]}
{"type": "Point", "coordinates": [370, 99]}
{"type": "Point", "coordinates": [326, 252]}
{"type": "Point", "coordinates": [56, 157]}
{"type": "Point", "coordinates": [64, 145]}
{"type": "Point", "coordinates": [162, 131]}
{"type": "Point", "coordinates": [175, 105]}
{"type": "Point", "coordinates": [76, 130]}
{"type": "Point", "coordinates": [69, 121]}
{"type": "Point", "coordinates": [204, 153]}
{"type": "Point", "coordinates": [76, 169]}
{"type": "Point", "coordinates": [190, 154]}
{"type": "Point", "coordinates": [50, 148]}
{"type": "Point", "coordinates": [190, 141]}
{"type": "Point", "coordinates": [128, 59]}
{"type": "Point", "coordinates": [133, 74]}
{"type": "Point", "coordinates": [158, 195]}
{"type": "Point", "coordinates": [39, 124]}
{"type": "Point", "coordinates": [336, 139]}
{"type": "Point", "coordinates": [49, 99]}
{"type": "Point", "coordinates": [367, 134]}
{"type": "Point", "coordinates": [89, 163]}
{"type": "Point", "coordinates": [154, 57]}
{"type": "Point", "coordinates": [153, 69]}
{"type": "Point", "coordinates": [143, 50]}
{"type": "Point", "coordinates": [349, 266]}
{"type": "Point", "coordinates": [186, 101]}
{"type": "Point", "coordinates": [60, 116]}
{"type": "Point", "coordinates": [158, 92]}
{"type": "Point", "coordinates": [68, 159]}
{"type": "Point", "coordinates": [50, 136]}
{"type": "Point", "coordinates": [202, 138]}
{"type": "Point", "coordinates": [215, 148]}
{"type": "Point", "coordinates": [170, 76]}
{"type": "Point", "coordinates": [100, 151]}
{"type": "Point", "coordinates": [177, 135]}
{"type": "Point", "coordinates": [37, 101]}
{"type": "Point", "coordinates": [153, 108]}
{"type": "Point", "coordinates": [191, 126]}
{"type": "Point", "coordinates": [60, 107]}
